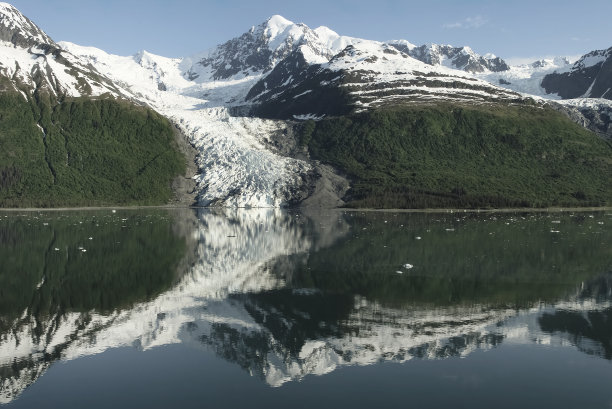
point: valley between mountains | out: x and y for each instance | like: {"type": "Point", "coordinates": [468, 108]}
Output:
{"type": "Point", "coordinates": [285, 115]}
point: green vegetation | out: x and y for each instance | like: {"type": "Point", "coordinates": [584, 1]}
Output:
{"type": "Point", "coordinates": [464, 156]}
{"type": "Point", "coordinates": [84, 152]}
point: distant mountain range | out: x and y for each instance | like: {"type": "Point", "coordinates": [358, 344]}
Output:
{"type": "Point", "coordinates": [242, 105]}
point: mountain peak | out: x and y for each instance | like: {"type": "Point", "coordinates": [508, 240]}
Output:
{"type": "Point", "coordinates": [259, 50]}
{"type": "Point", "coordinates": [278, 22]}
{"type": "Point", "coordinates": [460, 58]}
{"type": "Point", "coordinates": [17, 29]}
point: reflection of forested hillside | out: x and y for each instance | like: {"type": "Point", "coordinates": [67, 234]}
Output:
{"type": "Point", "coordinates": [504, 260]}
{"type": "Point", "coordinates": [58, 270]}
{"type": "Point", "coordinates": [287, 295]}
{"type": "Point", "coordinates": [81, 262]}
{"type": "Point", "coordinates": [471, 274]}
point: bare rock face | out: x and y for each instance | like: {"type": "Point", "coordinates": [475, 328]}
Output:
{"type": "Point", "coordinates": [590, 77]}
{"type": "Point", "coordinates": [594, 117]}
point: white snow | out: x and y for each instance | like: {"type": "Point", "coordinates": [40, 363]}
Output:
{"type": "Point", "coordinates": [237, 169]}
{"type": "Point", "coordinates": [12, 19]}
{"type": "Point", "coordinates": [306, 117]}
{"type": "Point", "coordinates": [591, 60]}
{"type": "Point", "coordinates": [302, 94]}
{"type": "Point", "coordinates": [527, 78]}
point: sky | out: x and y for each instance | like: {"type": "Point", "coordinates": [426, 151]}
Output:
{"type": "Point", "coordinates": [511, 29]}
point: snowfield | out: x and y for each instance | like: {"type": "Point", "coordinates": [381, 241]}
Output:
{"type": "Point", "coordinates": [526, 79]}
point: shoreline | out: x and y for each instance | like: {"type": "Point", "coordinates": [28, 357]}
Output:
{"type": "Point", "coordinates": [346, 209]}
{"type": "Point", "coordinates": [501, 210]}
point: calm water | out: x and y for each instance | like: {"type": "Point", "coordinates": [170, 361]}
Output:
{"type": "Point", "coordinates": [267, 308]}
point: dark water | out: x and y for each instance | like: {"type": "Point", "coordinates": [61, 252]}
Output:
{"type": "Point", "coordinates": [267, 308]}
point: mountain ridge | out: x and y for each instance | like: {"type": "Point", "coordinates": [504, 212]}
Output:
{"type": "Point", "coordinates": [70, 136]}
{"type": "Point", "coordinates": [589, 77]}
{"type": "Point", "coordinates": [19, 30]}
{"type": "Point", "coordinates": [236, 102]}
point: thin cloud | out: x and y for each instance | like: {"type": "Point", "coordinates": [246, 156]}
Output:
{"type": "Point", "coordinates": [468, 23]}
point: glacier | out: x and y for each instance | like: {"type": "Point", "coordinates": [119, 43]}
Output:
{"type": "Point", "coordinates": [206, 95]}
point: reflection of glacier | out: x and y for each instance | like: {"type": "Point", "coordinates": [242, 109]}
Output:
{"type": "Point", "coordinates": [234, 300]}
{"type": "Point", "coordinates": [232, 252]}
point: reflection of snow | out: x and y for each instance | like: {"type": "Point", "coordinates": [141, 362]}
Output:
{"type": "Point", "coordinates": [233, 300]}
{"type": "Point", "coordinates": [233, 249]}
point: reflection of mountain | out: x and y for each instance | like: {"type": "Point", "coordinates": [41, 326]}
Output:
{"type": "Point", "coordinates": [589, 330]}
{"type": "Point", "coordinates": [461, 259]}
{"type": "Point", "coordinates": [285, 295]}
{"type": "Point", "coordinates": [305, 338]}
{"type": "Point", "coordinates": [232, 251]}
{"type": "Point", "coordinates": [62, 272]}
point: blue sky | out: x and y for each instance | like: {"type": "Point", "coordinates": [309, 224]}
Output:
{"type": "Point", "coordinates": [509, 28]}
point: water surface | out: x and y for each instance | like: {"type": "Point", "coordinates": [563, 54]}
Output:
{"type": "Point", "coordinates": [269, 308]}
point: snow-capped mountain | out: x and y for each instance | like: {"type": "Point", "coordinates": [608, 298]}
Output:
{"type": "Point", "coordinates": [275, 70]}
{"type": "Point", "coordinates": [258, 50]}
{"type": "Point", "coordinates": [459, 58]}
{"type": "Point", "coordinates": [236, 166]}
{"type": "Point", "coordinates": [589, 77]}
{"type": "Point", "coordinates": [18, 30]}
{"type": "Point", "coordinates": [365, 75]}
{"type": "Point", "coordinates": [31, 60]}
{"type": "Point", "coordinates": [202, 94]}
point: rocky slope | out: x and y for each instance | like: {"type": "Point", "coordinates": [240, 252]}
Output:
{"type": "Point", "coordinates": [31, 60]}
{"type": "Point", "coordinates": [364, 76]}
{"type": "Point", "coordinates": [459, 58]}
{"type": "Point", "coordinates": [594, 114]}
{"type": "Point", "coordinates": [589, 77]}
